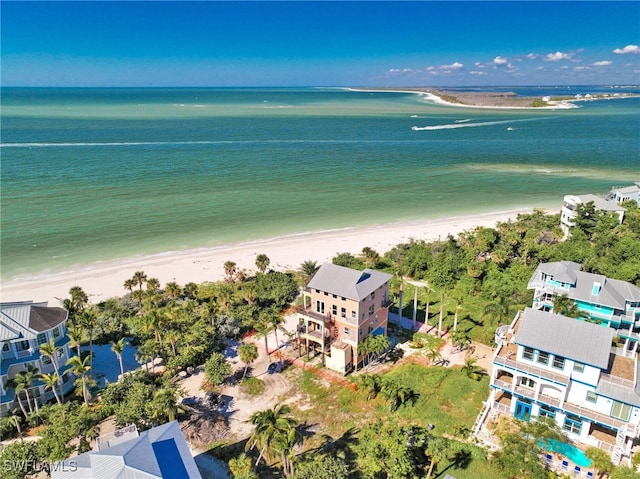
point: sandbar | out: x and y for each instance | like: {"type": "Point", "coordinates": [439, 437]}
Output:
{"type": "Point", "coordinates": [106, 279]}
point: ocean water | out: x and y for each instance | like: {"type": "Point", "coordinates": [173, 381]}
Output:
{"type": "Point", "coordinates": [92, 175]}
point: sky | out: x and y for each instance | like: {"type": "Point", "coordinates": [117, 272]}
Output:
{"type": "Point", "coordinates": [428, 43]}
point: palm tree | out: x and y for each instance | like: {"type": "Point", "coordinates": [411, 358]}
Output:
{"type": "Point", "coordinates": [153, 284]}
{"type": "Point", "coordinates": [50, 381]}
{"type": "Point", "coordinates": [248, 353]}
{"type": "Point", "coordinates": [398, 394]}
{"type": "Point", "coordinates": [129, 284]}
{"type": "Point", "coordinates": [16, 419]}
{"type": "Point", "coordinates": [172, 290]}
{"type": "Point", "coordinates": [283, 444]}
{"type": "Point", "coordinates": [29, 375]}
{"type": "Point", "coordinates": [269, 424]}
{"type": "Point", "coordinates": [241, 467]}
{"type": "Point", "coordinates": [117, 347]}
{"type": "Point", "coordinates": [12, 383]}
{"type": "Point", "coordinates": [369, 256]}
{"type": "Point", "coordinates": [373, 383]}
{"type": "Point", "coordinates": [80, 367]}
{"type": "Point", "coordinates": [263, 328]}
{"type": "Point", "coordinates": [230, 269]}
{"type": "Point", "coordinates": [49, 350]}
{"type": "Point", "coordinates": [139, 278]}
{"type": "Point", "coordinates": [309, 268]}
{"type": "Point", "coordinates": [566, 306]}
{"type": "Point", "coordinates": [165, 405]}
{"type": "Point", "coordinates": [472, 370]}
{"type": "Point", "coordinates": [262, 262]}
{"type": "Point", "coordinates": [75, 337]}
{"type": "Point", "coordinates": [433, 354]}
{"type": "Point", "coordinates": [89, 321]}
{"type": "Point", "coordinates": [437, 450]}
{"type": "Point", "coordinates": [500, 310]}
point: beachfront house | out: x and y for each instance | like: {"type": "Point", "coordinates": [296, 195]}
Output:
{"type": "Point", "coordinates": [569, 211]}
{"type": "Point", "coordinates": [160, 452]}
{"type": "Point", "coordinates": [609, 302]}
{"type": "Point", "coordinates": [618, 194]}
{"type": "Point", "coordinates": [554, 366]}
{"type": "Point", "coordinates": [342, 307]}
{"type": "Point", "coordinates": [24, 326]}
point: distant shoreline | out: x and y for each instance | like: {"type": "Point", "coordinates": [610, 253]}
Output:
{"type": "Point", "coordinates": [493, 100]}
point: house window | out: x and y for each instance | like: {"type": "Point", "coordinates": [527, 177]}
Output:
{"type": "Point", "coordinates": [5, 347]}
{"type": "Point", "coordinates": [326, 294]}
{"type": "Point", "coordinates": [41, 338]}
{"type": "Point", "coordinates": [346, 331]}
{"type": "Point", "coordinates": [543, 358]}
{"type": "Point", "coordinates": [371, 310]}
{"type": "Point", "coordinates": [591, 396]}
{"type": "Point", "coordinates": [528, 354]}
{"type": "Point", "coordinates": [56, 332]}
{"type": "Point", "coordinates": [373, 296]}
{"type": "Point", "coordinates": [572, 424]}
{"type": "Point", "coordinates": [528, 383]}
{"type": "Point", "coordinates": [360, 331]}
{"type": "Point", "coordinates": [558, 362]}
{"type": "Point", "coordinates": [369, 329]}
{"type": "Point", "coordinates": [620, 410]}
{"type": "Point", "coordinates": [547, 413]}
{"type": "Point", "coordinates": [320, 307]}
{"type": "Point", "coordinates": [334, 310]}
{"type": "Point", "coordinates": [335, 296]}
{"type": "Point", "coordinates": [343, 298]}
{"type": "Point", "coordinates": [23, 345]}
{"type": "Point", "coordinates": [353, 314]}
{"type": "Point", "coordinates": [578, 367]}
{"type": "Point", "coordinates": [343, 312]}
{"type": "Point", "coordinates": [46, 360]}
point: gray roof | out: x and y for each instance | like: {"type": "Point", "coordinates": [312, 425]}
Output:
{"type": "Point", "coordinates": [627, 189]}
{"type": "Point", "coordinates": [26, 320]}
{"type": "Point", "coordinates": [347, 282]}
{"type": "Point", "coordinates": [600, 203]}
{"type": "Point", "coordinates": [160, 452]}
{"type": "Point", "coordinates": [613, 293]}
{"type": "Point", "coordinates": [571, 338]}
{"type": "Point", "coordinates": [619, 392]}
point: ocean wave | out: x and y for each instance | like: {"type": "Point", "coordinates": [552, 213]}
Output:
{"type": "Point", "coordinates": [123, 143]}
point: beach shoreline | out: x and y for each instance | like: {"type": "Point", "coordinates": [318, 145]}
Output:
{"type": "Point", "coordinates": [104, 280]}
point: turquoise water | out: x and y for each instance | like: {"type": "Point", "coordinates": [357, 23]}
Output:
{"type": "Point", "coordinates": [98, 174]}
{"type": "Point", "coordinates": [571, 452]}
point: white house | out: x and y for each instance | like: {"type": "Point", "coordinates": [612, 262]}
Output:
{"type": "Point", "coordinates": [160, 452]}
{"type": "Point", "coordinates": [618, 194]}
{"type": "Point", "coordinates": [550, 365]}
{"type": "Point", "coordinates": [24, 326]}
{"type": "Point", "coordinates": [569, 211]}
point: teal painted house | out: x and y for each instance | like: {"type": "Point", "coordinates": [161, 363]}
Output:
{"type": "Point", "coordinates": [602, 300]}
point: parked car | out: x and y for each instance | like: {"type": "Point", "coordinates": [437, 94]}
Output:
{"type": "Point", "coordinates": [274, 368]}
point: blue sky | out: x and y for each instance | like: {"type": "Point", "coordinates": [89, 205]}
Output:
{"type": "Point", "coordinates": [319, 43]}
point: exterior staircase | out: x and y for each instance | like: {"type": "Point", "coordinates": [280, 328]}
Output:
{"type": "Point", "coordinates": [618, 449]}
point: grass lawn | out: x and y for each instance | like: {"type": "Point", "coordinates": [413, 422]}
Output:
{"type": "Point", "coordinates": [448, 399]}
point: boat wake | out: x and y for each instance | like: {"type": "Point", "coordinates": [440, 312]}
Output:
{"type": "Point", "coordinates": [460, 124]}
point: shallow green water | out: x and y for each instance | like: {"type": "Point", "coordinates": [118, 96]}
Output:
{"type": "Point", "coordinates": [96, 174]}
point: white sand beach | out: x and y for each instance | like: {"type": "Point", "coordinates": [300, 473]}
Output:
{"type": "Point", "coordinates": [105, 280]}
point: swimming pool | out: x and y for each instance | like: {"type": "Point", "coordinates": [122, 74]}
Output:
{"type": "Point", "coordinates": [572, 453]}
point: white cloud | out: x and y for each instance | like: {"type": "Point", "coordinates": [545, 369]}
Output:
{"type": "Point", "coordinates": [603, 63]}
{"type": "Point", "coordinates": [627, 49]}
{"type": "Point", "coordinates": [499, 60]}
{"type": "Point", "coordinates": [453, 66]}
{"type": "Point", "coordinates": [394, 70]}
{"type": "Point", "coordinates": [532, 56]}
{"type": "Point", "coordinates": [477, 73]}
{"type": "Point", "coordinates": [554, 57]}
